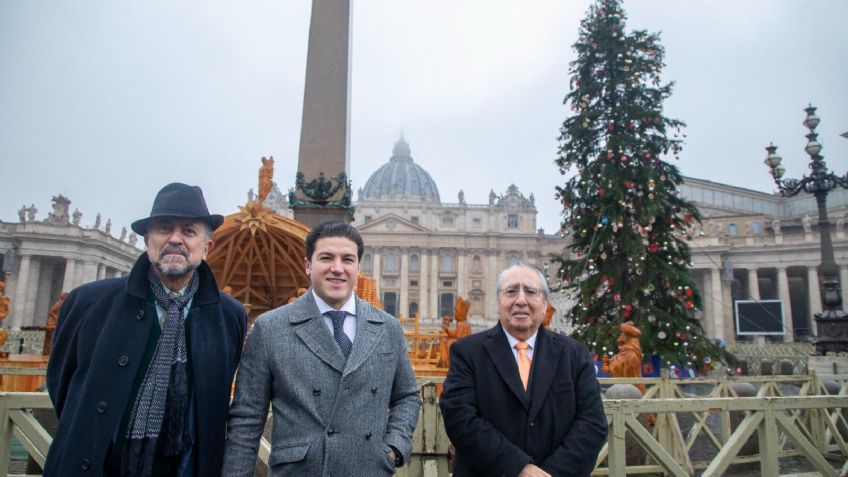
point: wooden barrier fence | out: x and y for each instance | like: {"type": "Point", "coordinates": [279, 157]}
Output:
{"type": "Point", "coordinates": [702, 427]}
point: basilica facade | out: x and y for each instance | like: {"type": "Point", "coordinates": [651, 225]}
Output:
{"type": "Point", "coordinates": [423, 252]}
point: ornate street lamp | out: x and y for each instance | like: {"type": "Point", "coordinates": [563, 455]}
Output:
{"type": "Point", "coordinates": [832, 321]}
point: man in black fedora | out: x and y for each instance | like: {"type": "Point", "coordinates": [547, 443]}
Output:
{"type": "Point", "coordinates": [142, 366]}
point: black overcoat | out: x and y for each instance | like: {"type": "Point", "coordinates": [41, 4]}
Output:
{"type": "Point", "coordinates": [497, 427]}
{"type": "Point", "coordinates": [100, 338]}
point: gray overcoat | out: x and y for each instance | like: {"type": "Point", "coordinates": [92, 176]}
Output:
{"type": "Point", "coordinates": [331, 417]}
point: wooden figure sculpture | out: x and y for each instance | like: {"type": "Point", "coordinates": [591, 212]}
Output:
{"type": "Point", "coordinates": [448, 335]}
{"type": "Point", "coordinates": [628, 362]}
{"type": "Point", "coordinates": [266, 173]}
{"type": "Point", "coordinates": [51, 324]}
{"type": "Point", "coordinates": [4, 312]}
{"type": "Point", "coordinates": [549, 314]}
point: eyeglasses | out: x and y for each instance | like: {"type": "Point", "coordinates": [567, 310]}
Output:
{"type": "Point", "coordinates": [529, 292]}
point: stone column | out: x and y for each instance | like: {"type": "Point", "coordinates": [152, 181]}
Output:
{"type": "Point", "coordinates": [423, 285]}
{"type": "Point", "coordinates": [753, 284]}
{"type": "Point", "coordinates": [843, 280]}
{"type": "Point", "coordinates": [814, 293]}
{"type": "Point", "coordinates": [783, 295]}
{"type": "Point", "coordinates": [101, 271]}
{"type": "Point", "coordinates": [491, 283]}
{"type": "Point", "coordinates": [69, 282]}
{"type": "Point", "coordinates": [403, 306]}
{"type": "Point", "coordinates": [324, 138]}
{"type": "Point", "coordinates": [377, 269]}
{"type": "Point", "coordinates": [461, 274]}
{"type": "Point", "coordinates": [727, 305]}
{"type": "Point", "coordinates": [89, 272]}
{"type": "Point", "coordinates": [434, 285]}
{"type": "Point", "coordinates": [716, 310]}
{"type": "Point", "coordinates": [16, 319]}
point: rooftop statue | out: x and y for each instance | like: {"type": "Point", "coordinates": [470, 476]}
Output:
{"type": "Point", "coordinates": [59, 216]}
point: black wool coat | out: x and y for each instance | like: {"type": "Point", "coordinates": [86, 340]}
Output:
{"type": "Point", "coordinates": [497, 427]}
{"type": "Point", "coordinates": [100, 339]}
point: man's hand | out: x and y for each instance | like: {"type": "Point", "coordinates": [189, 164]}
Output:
{"type": "Point", "coordinates": [531, 470]}
{"type": "Point", "coordinates": [391, 454]}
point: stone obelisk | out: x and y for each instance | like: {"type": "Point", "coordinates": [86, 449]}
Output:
{"type": "Point", "coordinates": [322, 191]}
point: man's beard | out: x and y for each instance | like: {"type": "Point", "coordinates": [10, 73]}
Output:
{"type": "Point", "coordinates": [170, 269]}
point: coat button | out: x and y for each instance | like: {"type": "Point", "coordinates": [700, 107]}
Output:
{"type": "Point", "coordinates": [101, 407]}
{"type": "Point", "coordinates": [140, 315]}
{"type": "Point", "coordinates": [86, 464]}
{"type": "Point", "coordinates": [316, 392]}
{"type": "Point", "coordinates": [330, 432]}
{"type": "Point", "coordinates": [532, 424]}
{"type": "Point", "coordinates": [123, 361]}
{"type": "Point", "coordinates": [373, 390]}
{"type": "Point", "coordinates": [368, 436]}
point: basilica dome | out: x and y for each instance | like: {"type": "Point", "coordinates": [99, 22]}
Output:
{"type": "Point", "coordinates": [401, 178]}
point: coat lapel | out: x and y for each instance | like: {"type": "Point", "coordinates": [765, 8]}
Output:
{"type": "Point", "coordinates": [545, 362]}
{"type": "Point", "coordinates": [369, 331]}
{"type": "Point", "coordinates": [504, 362]}
{"type": "Point", "coordinates": [312, 330]}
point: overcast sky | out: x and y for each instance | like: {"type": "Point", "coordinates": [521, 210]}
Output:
{"type": "Point", "coordinates": [105, 102]}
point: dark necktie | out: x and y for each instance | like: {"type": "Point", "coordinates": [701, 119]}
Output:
{"type": "Point", "coordinates": [338, 318]}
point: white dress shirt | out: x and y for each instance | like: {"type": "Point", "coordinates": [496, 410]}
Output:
{"type": "Point", "coordinates": [349, 326]}
{"type": "Point", "coordinates": [513, 341]}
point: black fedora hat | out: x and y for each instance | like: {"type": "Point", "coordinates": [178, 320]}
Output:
{"type": "Point", "coordinates": [179, 200]}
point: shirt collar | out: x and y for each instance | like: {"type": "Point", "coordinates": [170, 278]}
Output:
{"type": "Point", "coordinates": [513, 340]}
{"type": "Point", "coordinates": [323, 307]}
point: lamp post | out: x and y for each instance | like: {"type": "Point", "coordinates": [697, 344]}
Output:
{"type": "Point", "coordinates": [832, 323]}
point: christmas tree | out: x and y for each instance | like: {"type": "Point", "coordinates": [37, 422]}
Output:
{"type": "Point", "coordinates": [629, 259]}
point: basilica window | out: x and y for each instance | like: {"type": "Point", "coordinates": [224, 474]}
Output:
{"type": "Point", "coordinates": [477, 222]}
{"type": "Point", "coordinates": [390, 263]}
{"type": "Point", "coordinates": [413, 264]}
{"type": "Point", "coordinates": [390, 303]}
{"type": "Point", "coordinates": [366, 264]}
{"type": "Point", "coordinates": [367, 219]}
{"type": "Point", "coordinates": [446, 304]}
{"type": "Point", "coordinates": [415, 219]}
{"type": "Point", "coordinates": [512, 221]}
{"type": "Point", "coordinates": [757, 228]}
{"type": "Point", "coordinates": [478, 298]}
{"type": "Point", "coordinates": [447, 222]}
{"type": "Point", "coordinates": [413, 308]}
{"type": "Point", "coordinates": [732, 230]}
{"type": "Point", "coordinates": [446, 263]}
{"type": "Point", "coordinates": [476, 264]}
{"type": "Point", "coordinates": [513, 259]}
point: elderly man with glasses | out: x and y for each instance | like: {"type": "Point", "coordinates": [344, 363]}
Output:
{"type": "Point", "coordinates": [520, 400]}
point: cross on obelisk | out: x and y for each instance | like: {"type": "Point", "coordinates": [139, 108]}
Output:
{"type": "Point", "coordinates": [322, 191]}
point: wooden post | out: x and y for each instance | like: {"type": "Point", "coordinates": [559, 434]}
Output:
{"type": "Point", "coordinates": [6, 430]}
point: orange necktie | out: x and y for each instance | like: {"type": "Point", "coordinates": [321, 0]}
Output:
{"type": "Point", "coordinates": [523, 362]}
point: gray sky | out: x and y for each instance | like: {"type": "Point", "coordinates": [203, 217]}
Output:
{"type": "Point", "coordinates": [107, 101]}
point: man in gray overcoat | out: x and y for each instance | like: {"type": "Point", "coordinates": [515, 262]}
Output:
{"type": "Point", "coordinates": [335, 371]}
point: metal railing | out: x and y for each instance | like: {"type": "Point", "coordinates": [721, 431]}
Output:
{"type": "Point", "coordinates": [702, 426]}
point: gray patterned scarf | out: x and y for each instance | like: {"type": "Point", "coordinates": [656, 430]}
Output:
{"type": "Point", "coordinates": [161, 405]}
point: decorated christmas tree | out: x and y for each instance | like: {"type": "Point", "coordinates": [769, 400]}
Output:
{"type": "Point", "coordinates": [629, 226]}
